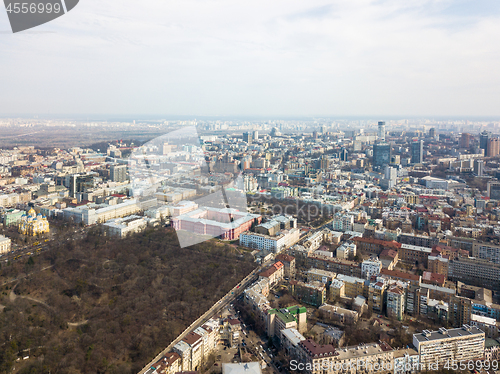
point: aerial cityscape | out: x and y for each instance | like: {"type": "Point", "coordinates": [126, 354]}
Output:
{"type": "Point", "coordinates": [250, 187]}
{"type": "Point", "coordinates": [318, 246]}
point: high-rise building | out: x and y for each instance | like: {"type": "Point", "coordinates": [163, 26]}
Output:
{"type": "Point", "coordinates": [459, 310]}
{"type": "Point", "coordinates": [247, 137]}
{"type": "Point", "coordinates": [343, 154]}
{"type": "Point", "coordinates": [118, 173]}
{"type": "Point", "coordinates": [465, 140]}
{"type": "Point", "coordinates": [417, 152]}
{"type": "Point", "coordinates": [381, 131]}
{"type": "Point", "coordinates": [493, 148]}
{"type": "Point", "coordinates": [255, 135]}
{"type": "Point", "coordinates": [493, 190]}
{"type": "Point", "coordinates": [479, 167]}
{"type": "Point", "coordinates": [381, 154]}
{"type": "Point", "coordinates": [324, 162]}
{"type": "Point", "coordinates": [483, 141]}
{"type": "Point", "coordinates": [432, 132]}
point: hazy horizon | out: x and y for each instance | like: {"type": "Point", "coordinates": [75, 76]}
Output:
{"type": "Point", "coordinates": [418, 58]}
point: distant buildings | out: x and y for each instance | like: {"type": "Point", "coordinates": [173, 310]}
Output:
{"type": "Point", "coordinates": [118, 173]}
{"type": "Point", "coordinates": [381, 154]}
{"type": "Point", "coordinates": [121, 227]}
{"type": "Point", "coordinates": [417, 152]}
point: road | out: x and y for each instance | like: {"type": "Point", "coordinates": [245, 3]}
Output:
{"type": "Point", "coordinates": [216, 308]}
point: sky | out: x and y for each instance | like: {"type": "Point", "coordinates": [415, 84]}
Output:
{"type": "Point", "coordinates": [263, 58]}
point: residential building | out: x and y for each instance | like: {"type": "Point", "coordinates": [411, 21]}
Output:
{"type": "Point", "coordinates": [395, 302]}
{"type": "Point", "coordinates": [438, 264]}
{"type": "Point", "coordinates": [122, 227]}
{"type": "Point", "coordinates": [448, 346]}
{"type": "Point", "coordinates": [5, 244]}
{"type": "Point", "coordinates": [486, 324]}
{"type": "Point", "coordinates": [313, 293]}
{"type": "Point", "coordinates": [290, 340]}
{"type": "Point", "coordinates": [413, 254]}
{"type": "Point", "coordinates": [118, 173]}
{"type": "Point", "coordinates": [274, 274]}
{"type": "Point", "coordinates": [285, 239]}
{"type": "Point", "coordinates": [289, 263]}
{"type": "Point", "coordinates": [338, 315]}
{"type": "Point", "coordinates": [460, 311]}
{"type": "Point", "coordinates": [322, 276]}
{"type": "Point", "coordinates": [371, 267]}
{"type": "Point", "coordinates": [486, 251]}
{"type": "Point", "coordinates": [406, 361]}
{"type": "Point", "coordinates": [475, 271]}
{"type": "Point", "coordinates": [286, 318]}
{"type": "Point", "coordinates": [346, 251]}
{"type": "Point", "coordinates": [169, 364]}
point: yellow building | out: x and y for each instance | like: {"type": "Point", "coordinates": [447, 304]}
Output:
{"type": "Point", "coordinates": [33, 224]}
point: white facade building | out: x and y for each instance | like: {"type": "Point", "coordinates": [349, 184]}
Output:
{"type": "Point", "coordinates": [5, 244]}
{"type": "Point", "coordinates": [370, 267]}
{"type": "Point", "coordinates": [275, 244]}
{"type": "Point", "coordinates": [122, 227]}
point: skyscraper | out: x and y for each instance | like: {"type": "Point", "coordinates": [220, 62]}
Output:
{"type": "Point", "coordinates": [247, 137]}
{"type": "Point", "coordinates": [417, 152]}
{"type": "Point", "coordinates": [493, 148]}
{"type": "Point", "coordinates": [381, 154]}
{"type": "Point", "coordinates": [432, 132]}
{"type": "Point", "coordinates": [479, 167]}
{"type": "Point", "coordinates": [118, 173]}
{"type": "Point", "coordinates": [343, 154]}
{"type": "Point", "coordinates": [465, 140]}
{"type": "Point", "coordinates": [381, 131]}
{"type": "Point", "coordinates": [483, 141]}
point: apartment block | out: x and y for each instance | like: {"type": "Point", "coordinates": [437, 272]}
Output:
{"type": "Point", "coordinates": [273, 274]}
{"type": "Point", "coordinates": [395, 302]}
{"type": "Point", "coordinates": [486, 251]}
{"type": "Point", "coordinates": [283, 240]}
{"type": "Point", "coordinates": [414, 254]}
{"type": "Point", "coordinates": [448, 346]}
{"type": "Point", "coordinates": [335, 265]}
{"type": "Point", "coordinates": [289, 262]}
{"type": "Point", "coordinates": [438, 264]}
{"type": "Point", "coordinates": [322, 276]}
{"type": "Point", "coordinates": [475, 271]}
{"type": "Point", "coordinates": [286, 318]}
{"type": "Point", "coordinates": [313, 293]}
{"type": "Point", "coordinates": [337, 314]}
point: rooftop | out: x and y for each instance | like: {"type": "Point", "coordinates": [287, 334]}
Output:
{"type": "Point", "coordinates": [426, 335]}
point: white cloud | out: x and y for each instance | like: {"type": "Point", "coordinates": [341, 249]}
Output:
{"type": "Point", "coordinates": [264, 58]}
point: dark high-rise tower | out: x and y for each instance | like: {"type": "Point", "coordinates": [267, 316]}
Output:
{"type": "Point", "coordinates": [417, 152]}
{"type": "Point", "coordinates": [483, 141]}
{"type": "Point", "coordinates": [381, 154]}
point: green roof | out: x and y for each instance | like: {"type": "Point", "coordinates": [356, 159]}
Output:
{"type": "Point", "coordinates": [285, 317]}
{"type": "Point", "coordinates": [297, 310]}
